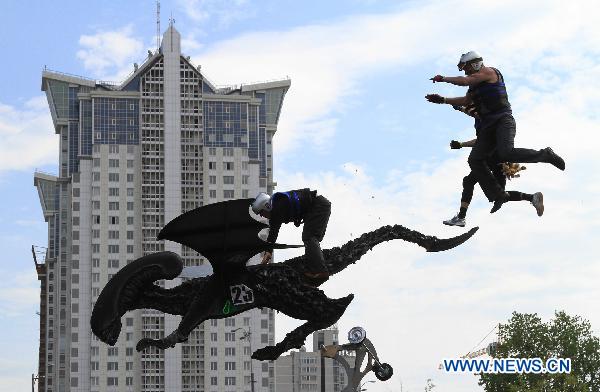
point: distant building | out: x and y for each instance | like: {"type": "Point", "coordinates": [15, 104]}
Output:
{"type": "Point", "coordinates": [301, 371]}
{"type": "Point", "coordinates": [132, 157]}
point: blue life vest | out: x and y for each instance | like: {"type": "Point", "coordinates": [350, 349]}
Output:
{"type": "Point", "coordinates": [294, 200]}
{"type": "Point", "coordinates": [490, 98]}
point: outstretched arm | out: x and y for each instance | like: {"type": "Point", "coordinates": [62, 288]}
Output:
{"type": "Point", "coordinates": [469, 143]}
{"type": "Point", "coordinates": [455, 145]}
{"type": "Point", "coordinates": [458, 101]}
{"type": "Point", "coordinates": [486, 74]}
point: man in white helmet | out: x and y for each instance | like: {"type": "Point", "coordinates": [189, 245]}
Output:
{"type": "Point", "coordinates": [496, 127]}
{"type": "Point", "coordinates": [298, 206]}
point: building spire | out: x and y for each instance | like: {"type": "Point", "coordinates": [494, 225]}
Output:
{"type": "Point", "coordinates": [157, 25]}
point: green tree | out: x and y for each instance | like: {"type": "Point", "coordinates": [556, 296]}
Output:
{"type": "Point", "coordinates": [526, 336]}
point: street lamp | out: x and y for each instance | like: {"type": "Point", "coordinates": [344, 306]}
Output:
{"type": "Point", "coordinates": [247, 336]}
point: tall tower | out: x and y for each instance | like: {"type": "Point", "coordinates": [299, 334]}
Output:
{"type": "Point", "coordinates": [132, 157]}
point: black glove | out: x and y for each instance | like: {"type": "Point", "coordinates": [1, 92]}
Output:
{"type": "Point", "coordinates": [435, 98]}
{"type": "Point", "coordinates": [455, 145]}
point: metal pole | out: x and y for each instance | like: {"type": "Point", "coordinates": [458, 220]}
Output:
{"type": "Point", "coordinates": [251, 370]}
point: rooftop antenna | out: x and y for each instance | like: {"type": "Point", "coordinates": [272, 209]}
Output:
{"type": "Point", "coordinates": [157, 25]}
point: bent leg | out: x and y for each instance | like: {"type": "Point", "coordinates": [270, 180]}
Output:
{"type": "Point", "coordinates": [506, 130]}
{"type": "Point", "coordinates": [468, 184]}
{"type": "Point", "coordinates": [479, 165]}
{"type": "Point", "coordinates": [315, 225]}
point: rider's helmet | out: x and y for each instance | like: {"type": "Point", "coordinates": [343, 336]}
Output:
{"type": "Point", "coordinates": [262, 202]}
{"type": "Point", "coordinates": [473, 58]}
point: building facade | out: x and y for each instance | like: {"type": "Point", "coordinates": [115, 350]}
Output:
{"type": "Point", "coordinates": [302, 370]}
{"type": "Point", "coordinates": [132, 157]}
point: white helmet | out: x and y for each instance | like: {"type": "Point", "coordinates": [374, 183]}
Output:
{"type": "Point", "coordinates": [472, 58]}
{"type": "Point", "coordinates": [261, 203]}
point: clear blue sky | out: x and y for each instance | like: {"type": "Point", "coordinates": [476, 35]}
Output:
{"type": "Point", "coordinates": [356, 127]}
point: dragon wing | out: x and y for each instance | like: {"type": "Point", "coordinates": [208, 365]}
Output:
{"type": "Point", "coordinates": [220, 230]}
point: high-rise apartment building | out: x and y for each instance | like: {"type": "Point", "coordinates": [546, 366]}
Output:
{"type": "Point", "coordinates": [302, 370]}
{"type": "Point", "coordinates": [132, 157]}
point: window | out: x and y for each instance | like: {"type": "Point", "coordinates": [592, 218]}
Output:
{"type": "Point", "coordinates": [228, 180]}
{"type": "Point", "coordinates": [244, 165]}
{"type": "Point", "coordinates": [245, 193]}
{"type": "Point", "coordinates": [227, 165]}
{"type": "Point", "coordinates": [95, 365]}
{"type": "Point", "coordinates": [112, 381]}
{"type": "Point", "coordinates": [129, 206]}
{"type": "Point", "coordinates": [130, 177]}
{"type": "Point", "coordinates": [228, 194]}
{"type": "Point", "coordinates": [130, 163]}
{"type": "Point", "coordinates": [212, 194]}
{"type": "Point", "coordinates": [229, 336]}
{"type": "Point", "coordinates": [212, 180]}
{"type": "Point", "coordinates": [113, 177]}
{"type": "Point", "coordinates": [213, 337]}
{"type": "Point", "coordinates": [113, 163]}
{"type": "Point", "coordinates": [212, 151]}
{"type": "Point", "coordinates": [112, 366]}
{"type": "Point", "coordinates": [245, 180]}
{"type": "Point", "coordinates": [229, 380]}
{"type": "Point", "coordinates": [212, 165]}
{"type": "Point", "coordinates": [128, 365]}
{"type": "Point", "coordinates": [96, 263]}
{"type": "Point", "coordinates": [95, 176]}
{"type": "Point", "coordinates": [96, 205]}
{"type": "Point", "coordinates": [214, 366]}
{"type": "Point", "coordinates": [213, 381]}
{"type": "Point", "coordinates": [213, 352]}
{"type": "Point", "coordinates": [130, 220]}
{"type": "Point", "coordinates": [113, 234]}
{"type": "Point", "coordinates": [129, 191]}
{"type": "Point", "coordinates": [114, 220]}
{"type": "Point", "coordinates": [113, 249]}
{"type": "Point", "coordinates": [229, 365]}
{"type": "Point", "coordinates": [130, 235]}
{"type": "Point", "coordinates": [230, 351]}
{"type": "Point", "coordinates": [228, 152]}
{"type": "Point", "coordinates": [113, 263]}
{"type": "Point", "coordinates": [129, 351]}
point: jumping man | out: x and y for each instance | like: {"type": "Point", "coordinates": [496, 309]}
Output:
{"type": "Point", "coordinates": [298, 206]}
{"type": "Point", "coordinates": [497, 127]}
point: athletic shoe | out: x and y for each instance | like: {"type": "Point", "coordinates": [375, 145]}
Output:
{"type": "Point", "coordinates": [555, 159]}
{"type": "Point", "coordinates": [538, 203]}
{"type": "Point", "coordinates": [503, 198]}
{"type": "Point", "coordinates": [456, 221]}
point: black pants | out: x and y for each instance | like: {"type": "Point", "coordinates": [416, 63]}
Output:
{"type": "Point", "coordinates": [469, 181]}
{"type": "Point", "coordinates": [500, 136]}
{"type": "Point", "coordinates": [315, 224]}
